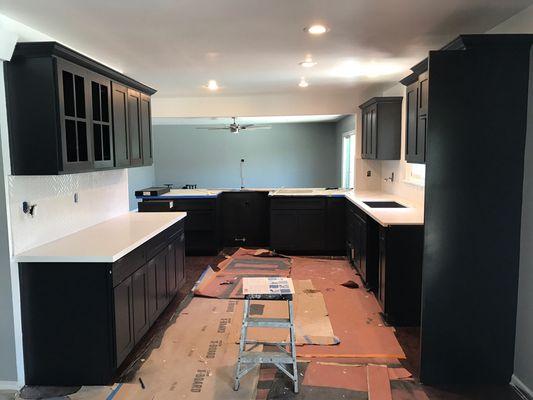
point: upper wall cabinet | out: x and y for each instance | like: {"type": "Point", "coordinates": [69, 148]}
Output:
{"type": "Point", "coordinates": [416, 121]}
{"type": "Point", "coordinates": [382, 125]}
{"type": "Point", "coordinates": [68, 113]}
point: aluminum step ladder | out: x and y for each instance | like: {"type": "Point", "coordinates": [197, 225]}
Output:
{"type": "Point", "coordinates": [249, 359]}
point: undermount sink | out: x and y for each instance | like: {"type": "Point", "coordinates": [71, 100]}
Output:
{"type": "Point", "coordinates": [295, 191]}
{"type": "Point", "coordinates": [383, 204]}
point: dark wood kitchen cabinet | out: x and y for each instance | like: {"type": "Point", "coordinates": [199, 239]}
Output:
{"type": "Point", "coordinates": [417, 94]}
{"type": "Point", "coordinates": [68, 99]}
{"type": "Point", "coordinates": [124, 315]}
{"type": "Point", "coordinates": [119, 99]}
{"type": "Point", "coordinates": [86, 319]}
{"type": "Point", "coordinates": [381, 128]}
{"type": "Point", "coordinates": [134, 128]}
{"type": "Point", "coordinates": [336, 225]}
{"type": "Point", "coordinates": [146, 129]}
{"type": "Point", "coordinates": [361, 244]}
{"type": "Point", "coordinates": [141, 317]}
{"type": "Point", "coordinates": [298, 224]}
{"type": "Point", "coordinates": [400, 273]}
{"type": "Point", "coordinates": [244, 218]}
{"type": "Point", "coordinates": [101, 121]}
{"type": "Point", "coordinates": [201, 226]}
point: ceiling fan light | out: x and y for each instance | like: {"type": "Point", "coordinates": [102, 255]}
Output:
{"type": "Point", "coordinates": [308, 63]}
{"type": "Point", "coordinates": [303, 83]}
{"type": "Point", "coordinates": [212, 85]}
{"type": "Point", "coordinates": [316, 29]}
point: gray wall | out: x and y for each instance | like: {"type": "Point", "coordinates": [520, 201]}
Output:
{"type": "Point", "coordinates": [139, 178]}
{"type": "Point", "coordinates": [289, 155]}
{"type": "Point", "coordinates": [524, 323]}
{"type": "Point", "coordinates": [8, 370]}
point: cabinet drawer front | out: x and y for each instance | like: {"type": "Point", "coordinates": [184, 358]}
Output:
{"type": "Point", "coordinates": [198, 220]}
{"type": "Point", "coordinates": [194, 204]}
{"type": "Point", "coordinates": [297, 203]}
{"type": "Point", "coordinates": [128, 264]}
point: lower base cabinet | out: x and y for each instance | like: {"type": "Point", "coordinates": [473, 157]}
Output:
{"type": "Point", "coordinates": [201, 226]}
{"type": "Point", "coordinates": [400, 274]}
{"type": "Point", "coordinates": [80, 321]}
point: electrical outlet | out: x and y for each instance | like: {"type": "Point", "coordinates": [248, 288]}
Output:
{"type": "Point", "coordinates": [368, 173]}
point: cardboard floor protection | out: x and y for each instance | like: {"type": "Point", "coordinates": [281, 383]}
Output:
{"type": "Point", "coordinates": [354, 313]}
{"type": "Point", "coordinates": [227, 282]}
{"type": "Point", "coordinates": [311, 319]}
{"type": "Point", "coordinates": [195, 359]}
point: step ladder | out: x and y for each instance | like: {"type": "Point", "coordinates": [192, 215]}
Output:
{"type": "Point", "coordinates": [249, 359]}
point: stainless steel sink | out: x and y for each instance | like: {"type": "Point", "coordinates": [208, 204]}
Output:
{"type": "Point", "coordinates": [383, 204]}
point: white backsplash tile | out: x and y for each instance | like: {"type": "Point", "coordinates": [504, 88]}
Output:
{"type": "Point", "coordinates": [101, 195]}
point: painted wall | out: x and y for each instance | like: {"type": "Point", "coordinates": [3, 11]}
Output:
{"type": "Point", "coordinates": [289, 155]}
{"type": "Point", "coordinates": [523, 368]}
{"type": "Point", "coordinates": [138, 178]}
{"type": "Point", "coordinates": [8, 370]}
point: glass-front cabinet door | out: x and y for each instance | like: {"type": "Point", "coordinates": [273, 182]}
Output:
{"type": "Point", "coordinates": [74, 117]}
{"type": "Point", "coordinates": [102, 129]}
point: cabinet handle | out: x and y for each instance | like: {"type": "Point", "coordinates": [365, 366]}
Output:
{"type": "Point", "coordinates": [240, 239]}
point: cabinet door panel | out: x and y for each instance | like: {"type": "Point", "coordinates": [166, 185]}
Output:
{"type": "Point", "coordinates": [179, 248]}
{"type": "Point", "coordinates": [152, 290]}
{"type": "Point", "coordinates": [161, 279]}
{"type": "Point", "coordinates": [311, 230]}
{"type": "Point", "coordinates": [119, 99]}
{"type": "Point", "coordinates": [101, 121]}
{"type": "Point", "coordinates": [283, 229]}
{"type": "Point", "coordinates": [125, 338]}
{"type": "Point", "coordinates": [172, 278]}
{"type": "Point", "coordinates": [382, 270]}
{"type": "Point", "coordinates": [146, 130]}
{"type": "Point", "coordinates": [411, 121]}
{"type": "Point", "coordinates": [141, 318]}
{"type": "Point", "coordinates": [134, 127]}
{"type": "Point", "coordinates": [373, 150]}
{"type": "Point", "coordinates": [76, 135]}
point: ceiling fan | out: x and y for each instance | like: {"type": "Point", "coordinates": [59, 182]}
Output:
{"type": "Point", "coordinates": [234, 127]}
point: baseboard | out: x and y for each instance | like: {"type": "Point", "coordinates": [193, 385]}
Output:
{"type": "Point", "coordinates": [10, 385]}
{"type": "Point", "coordinates": [522, 387]}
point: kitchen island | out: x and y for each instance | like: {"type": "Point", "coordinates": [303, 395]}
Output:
{"type": "Point", "coordinates": [87, 299]}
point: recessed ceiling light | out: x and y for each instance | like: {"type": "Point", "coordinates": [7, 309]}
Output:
{"type": "Point", "coordinates": [307, 63]}
{"type": "Point", "coordinates": [316, 29]}
{"type": "Point", "coordinates": [212, 85]}
{"type": "Point", "coordinates": [303, 83]}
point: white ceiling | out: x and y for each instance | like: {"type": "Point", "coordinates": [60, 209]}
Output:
{"type": "Point", "coordinates": [252, 47]}
{"type": "Point", "coordinates": [246, 120]}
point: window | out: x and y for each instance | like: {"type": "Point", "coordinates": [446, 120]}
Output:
{"type": "Point", "coordinates": [348, 160]}
{"type": "Point", "coordinates": [415, 174]}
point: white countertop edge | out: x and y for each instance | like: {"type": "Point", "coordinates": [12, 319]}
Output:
{"type": "Point", "coordinates": [99, 259]}
{"type": "Point", "coordinates": [368, 211]}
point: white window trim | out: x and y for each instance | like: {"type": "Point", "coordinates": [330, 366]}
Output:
{"type": "Point", "coordinates": [343, 160]}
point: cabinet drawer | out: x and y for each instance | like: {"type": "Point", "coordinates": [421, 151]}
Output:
{"type": "Point", "coordinates": [200, 220]}
{"type": "Point", "coordinates": [297, 203]}
{"type": "Point", "coordinates": [128, 264]}
{"type": "Point", "coordinates": [194, 204]}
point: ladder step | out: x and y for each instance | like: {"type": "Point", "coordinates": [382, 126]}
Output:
{"type": "Point", "coordinates": [269, 322]}
{"type": "Point", "coordinates": [270, 357]}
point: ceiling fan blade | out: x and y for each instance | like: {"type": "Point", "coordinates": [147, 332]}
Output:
{"type": "Point", "coordinates": [212, 128]}
{"type": "Point", "coordinates": [256, 127]}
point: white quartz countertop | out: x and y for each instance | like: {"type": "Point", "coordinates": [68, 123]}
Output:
{"type": "Point", "coordinates": [104, 242]}
{"type": "Point", "coordinates": [411, 215]}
